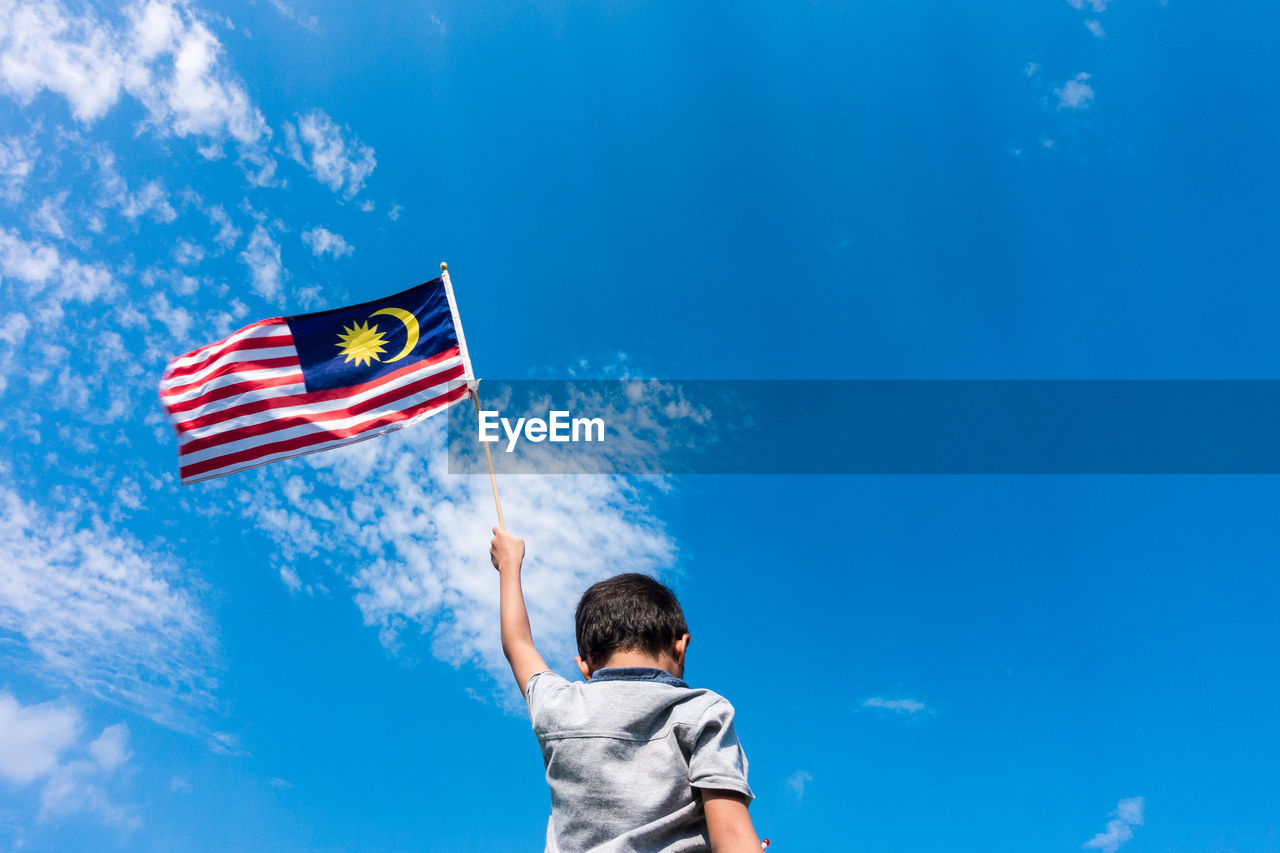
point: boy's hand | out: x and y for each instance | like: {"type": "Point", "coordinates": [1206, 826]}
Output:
{"type": "Point", "coordinates": [506, 551]}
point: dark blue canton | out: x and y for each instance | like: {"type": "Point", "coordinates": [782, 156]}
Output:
{"type": "Point", "coordinates": [319, 348]}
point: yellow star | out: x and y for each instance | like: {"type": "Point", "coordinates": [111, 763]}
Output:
{"type": "Point", "coordinates": [361, 343]}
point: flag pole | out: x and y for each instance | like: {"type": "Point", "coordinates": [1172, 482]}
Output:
{"type": "Point", "coordinates": [472, 385]}
{"type": "Point", "coordinates": [488, 456]}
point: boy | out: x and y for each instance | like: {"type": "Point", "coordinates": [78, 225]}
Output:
{"type": "Point", "coordinates": [636, 760]}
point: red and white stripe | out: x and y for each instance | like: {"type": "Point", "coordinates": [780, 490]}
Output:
{"type": "Point", "coordinates": [242, 402]}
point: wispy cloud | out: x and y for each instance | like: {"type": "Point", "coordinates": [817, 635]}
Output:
{"type": "Point", "coordinates": [17, 159]}
{"type": "Point", "coordinates": [228, 233]}
{"type": "Point", "coordinates": [1095, 27]}
{"type": "Point", "coordinates": [187, 253]}
{"type": "Point", "coordinates": [307, 21]}
{"type": "Point", "coordinates": [323, 241]}
{"type": "Point", "coordinates": [1075, 94]}
{"type": "Point", "coordinates": [1095, 5]}
{"type": "Point", "coordinates": [99, 610]}
{"type": "Point", "coordinates": [262, 257]}
{"type": "Point", "coordinates": [14, 328]}
{"type": "Point", "coordinates": [905, 707]}
{"type": "Point", "coordinates": [333, 154]}
{"type": "Point", "coordinates": [51, 218]}
{"type": "Point", "coordinates": [48, 279]}
{"type": "Point", "coordinates": [115, 193]}
{"type": "Point", "coordinates": [796, 782]}
{"type": "Point", "coordinates": [1128, 814]}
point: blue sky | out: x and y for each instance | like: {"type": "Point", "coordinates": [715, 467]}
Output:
{"type": "Point", "coordinates": [305, 657]}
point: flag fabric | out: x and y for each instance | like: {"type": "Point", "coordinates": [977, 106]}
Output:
{"type": "Point", "coordinates": [293, 385]}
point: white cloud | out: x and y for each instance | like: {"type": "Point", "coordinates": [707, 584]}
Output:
{"type": "Point", "coordinates": [394, 213]}
{"type": "Point", "coordinates": [129, 494]}
{"type": "Point", "coordinates": [898, 706]}
{"type": "Point", "coordinates": [174, 72]}
{"type": "Point", "coordinates": [33, 738]}
{"type": "Point", "coordinates": [28, 261]}
{"type": "Point", "coordinates": [310, 297]}
{"type": "Point", "coordinates": [98, 609]}
{"type": "Point", "coordinates": [159, 52]}
{"type": "Point", "coordinates": [187, 253]}
{"type": "Point", "coordinates": [392, 497]}
{"type": "Point", "coordinates": [77, 786]}
{"type": "Point", "coordinates": [796, 783]}
{"type": "Point", "coordinates": [1095, 5]}
{"type": "Point", "coordinates": [17, 159]}
{"type": "Point", "coordinates": [228, 233]}
{"type": "Point", "coordinates": [152, 198]}
{"type": "Point", "coordinates": [44, 47]}
{"type": "Point", "coordinates": [308, 22]}
{"type": "Point", "coordinates": [49, 218]}
{"type": "Point", "coordinates": [290, 579]}
{"type": "Point", "coordinates": [111, 749]}
{"type": "Point", "coordinates": [322, 241]}
{"type": "Point", "coordinates": [176, 319]}
{"type": "Point", "coordinates": [262, 257]}
{"type": "Point", "coordinates": [334, 155]}
{"type": "Point", "coordinates": [1075, 94]}
{"type": "Point", "coordinates": [1095, 27]}
{"type": "Point", "coordinates": [1030, 69]}
{"type": "Point", "coordinates": [33, 742]}
{"type": "Point", "coordinates": [13, 328]}
{"type": "Point", "coordinates": [47, 274]}
{"type": "Point", "coordinates": [1128, 814]}
{"type": "Point", "coordinates": [1130, 810]}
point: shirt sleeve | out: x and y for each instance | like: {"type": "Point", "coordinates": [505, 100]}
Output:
{"type": "Point", "coordinates": [540, 693]}
{"type": "Point", "coordinates": [718, 761]}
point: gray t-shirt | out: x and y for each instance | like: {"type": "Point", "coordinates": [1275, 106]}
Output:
{"type": "Point", "coordinates": [624, 753]}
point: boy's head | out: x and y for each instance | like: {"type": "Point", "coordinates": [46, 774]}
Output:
{"type": "Point", "coordinates": [630, 620]}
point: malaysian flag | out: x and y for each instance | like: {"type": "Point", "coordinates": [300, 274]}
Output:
{"type": "Point", "coordinates": [293, 385]}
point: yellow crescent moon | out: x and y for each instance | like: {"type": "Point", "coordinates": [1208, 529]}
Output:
{"type": "Point", "coordinates": [410, 326]}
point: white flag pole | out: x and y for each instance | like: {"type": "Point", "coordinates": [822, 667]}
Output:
{"type": "Point", "coordinates": [472, 383]}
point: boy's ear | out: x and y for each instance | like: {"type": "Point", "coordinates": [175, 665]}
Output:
{"type": "Point", "coordinates": [584, 668]}
{"type": "Point", "coordinates": [681, 646]}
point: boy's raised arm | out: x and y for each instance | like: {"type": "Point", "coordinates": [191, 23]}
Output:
{"type": "Point", "coordinates": [507, 554]}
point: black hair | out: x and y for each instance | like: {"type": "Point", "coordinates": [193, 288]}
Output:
{"type": "Point", "coordinates": [630, 612]}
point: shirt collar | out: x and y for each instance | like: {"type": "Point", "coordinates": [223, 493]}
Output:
{"type": "Point", "coordinates": [636, 673]}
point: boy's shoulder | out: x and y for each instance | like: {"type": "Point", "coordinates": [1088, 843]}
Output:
{"type": "Point", "coordinates": [637, 706]}
{"type": "Point", "coordinates": [615, 729]}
